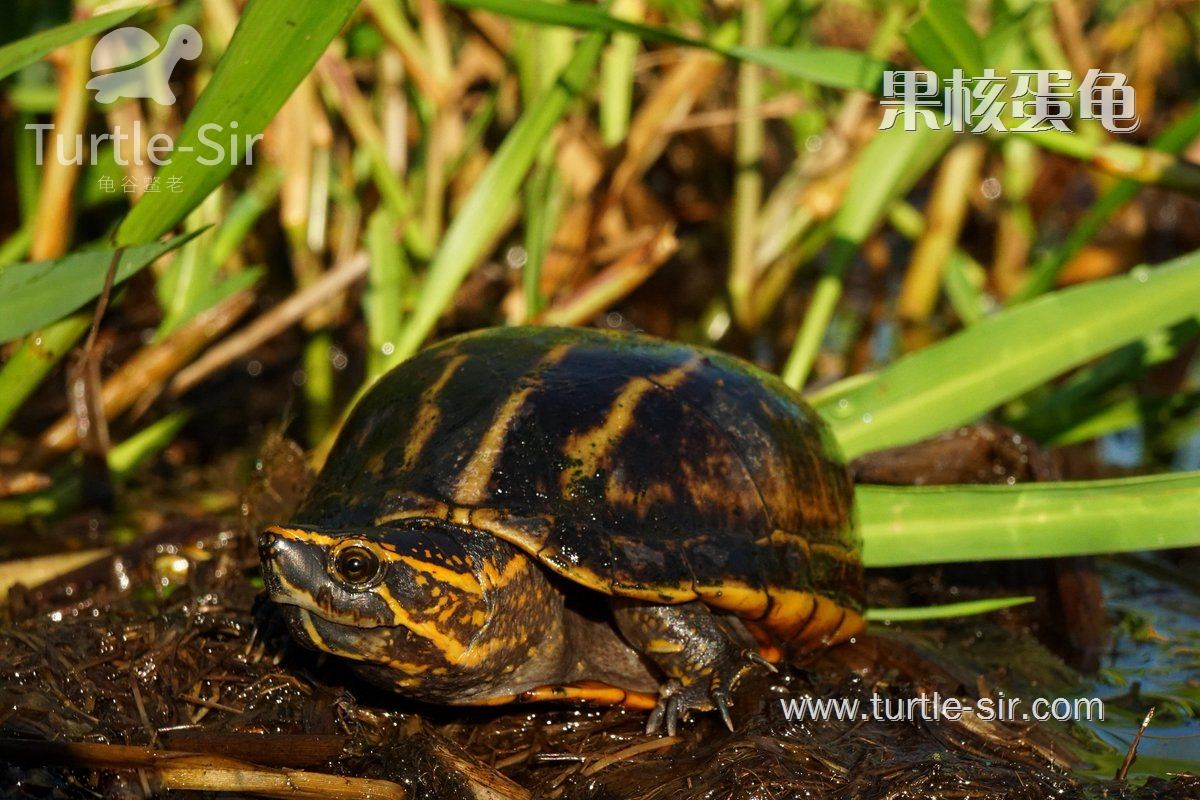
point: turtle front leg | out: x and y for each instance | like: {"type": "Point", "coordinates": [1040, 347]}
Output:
{"type": "Point", "coordinates": [698, 652]}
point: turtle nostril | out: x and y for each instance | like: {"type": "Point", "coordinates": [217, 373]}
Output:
{"type": "Point", "coordinates": [268, 545]}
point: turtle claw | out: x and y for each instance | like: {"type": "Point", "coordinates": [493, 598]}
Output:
{"type": "Point", "coordinates": [723, 707]}
{"type": "Point", "coordinates": [757, 658]}
{"type": "Point", "coordinates": [706, 693]}
{"type": "Point", "coordinates": [669, 709]}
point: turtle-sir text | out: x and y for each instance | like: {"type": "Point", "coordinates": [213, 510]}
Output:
{"type": "Point", "coordinates": [216, 144]}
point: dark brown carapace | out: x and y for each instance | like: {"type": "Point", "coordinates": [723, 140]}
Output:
{"type": "Point", "coordinates": [534, 513]}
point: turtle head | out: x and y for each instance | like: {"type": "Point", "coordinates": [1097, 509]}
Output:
{"type": "Point", "coordinates": [408, 598]}
{"type": "Point", "coordinates": [185, 42]}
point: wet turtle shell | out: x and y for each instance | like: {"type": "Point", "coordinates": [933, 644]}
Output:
{"type": "Point", "coordinates": [632, 466]}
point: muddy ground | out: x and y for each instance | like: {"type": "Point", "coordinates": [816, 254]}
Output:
{"type": "Point", "coordinates": [168, 646]}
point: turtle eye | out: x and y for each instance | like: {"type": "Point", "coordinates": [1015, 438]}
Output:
{"type": "Point", "coordinates": [356, 565]}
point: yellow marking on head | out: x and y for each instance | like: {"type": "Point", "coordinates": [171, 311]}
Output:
{"type": "Point", "coordinates": [306, 621]}
{"type": "Point", "coordinates": [473, 482]}
{"type": "Point", "coordinates": [450, 647]}
{"type": "Point", "coordinates": [663, 646]}
{"type": "Point", "coordinates": [591, 447]}
{"type": "Point", "coordinates": [429, 415]}
{"type": "Point", "coordinates": [463, 581]}
{"type": "Point", "coordinates": [305, 536]}
{"type": "Point", "coordinates": [297, 593]}
{"type": "Point", "coordinates": [512, 569]}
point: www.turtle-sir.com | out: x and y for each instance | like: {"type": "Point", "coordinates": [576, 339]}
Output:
{"type": "Point", "coordinates": [935, 708]}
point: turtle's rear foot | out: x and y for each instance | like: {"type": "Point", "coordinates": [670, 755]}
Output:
{"type": "Point", "coordinates": [699, 652]}
{"type": "Point", "coordinates": [706, 692]}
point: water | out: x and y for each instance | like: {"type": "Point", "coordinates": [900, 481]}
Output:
{"type": "Point", "coordinates": [1157, 647]}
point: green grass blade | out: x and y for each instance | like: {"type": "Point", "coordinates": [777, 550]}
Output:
{"type": "Point", "coordinates": [25, 51]}
{"type": "Point", "coordinates": [616, 76]}
{"type": "Point", "coordinates": [276, 44]}
{"type": "Point", "coordinates": [37, 293]}
{"type": "Point", "coordinates": [383, 297]}
{"type": "Point", "coordinates": [905, 525]}
{"type": "Point", "coordinates": [1044, 274]}
{"type": "Point", "coordinates": [828, 66]}
{"type": "Point", "coordinates": [944, 41]}
{"type": "Point", "coordinates": [967, 608]}
{"type": "Point", "coordinates": [889, 166]}
{"type": "Point", "coordinates": [123, 461]}
{"type": "Point", "coordinates": [32, 361]}
{"type": "Point", "coordinates": [1046, 415]}
{"type": "Point", "coordinates": [212, 294]}
{"type": "Point", "coordinates": [966, 375]}
{"type": "Point", "coordinates": [481, 214]}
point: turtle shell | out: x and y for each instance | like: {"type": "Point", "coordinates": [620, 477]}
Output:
{"type": "Point", "coordinates": [630, 465]}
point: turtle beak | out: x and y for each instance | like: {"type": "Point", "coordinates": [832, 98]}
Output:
{"type": "Point", "coordinates": [287, 557]}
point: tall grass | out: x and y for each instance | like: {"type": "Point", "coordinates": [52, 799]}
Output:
{"type": "Point", "coordinates": [586, 154]}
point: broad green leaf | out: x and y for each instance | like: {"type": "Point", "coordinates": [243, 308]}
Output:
{"type": "Point", "coordinates": [843, 69]}
{"type": "Point", "coordinates": [37, 293]}
{"type": "Point", "coordinates": [904, 525]}
{"type": "Point", "coordinates": [964, 376]}
{"type": "Point", "coordinates": [483, 211]}
{"type": "Point", "coordinates": [275, 45]}
{"type": "Point", "coordinates": [25, 51]}
{"type": "Point", "coordinates": [965, 609]}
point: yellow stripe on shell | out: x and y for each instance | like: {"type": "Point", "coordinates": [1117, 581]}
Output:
{"type": "Point", "coordinates": [589, 448]}
{"type": "Point", "coordinates": [832, 550]}
{"type": "Point", "coordinates": [429, 414]}
{"type": "Point", "coordinates": [477, 474]}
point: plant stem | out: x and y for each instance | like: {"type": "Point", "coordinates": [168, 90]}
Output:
{"type": "Point", "coordinates": [747, 183]}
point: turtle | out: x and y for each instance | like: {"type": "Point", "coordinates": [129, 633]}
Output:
{"type": "Point", "coordinates": [131, 63]}
{"type": "Point", "coordinates": [530, 513]}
